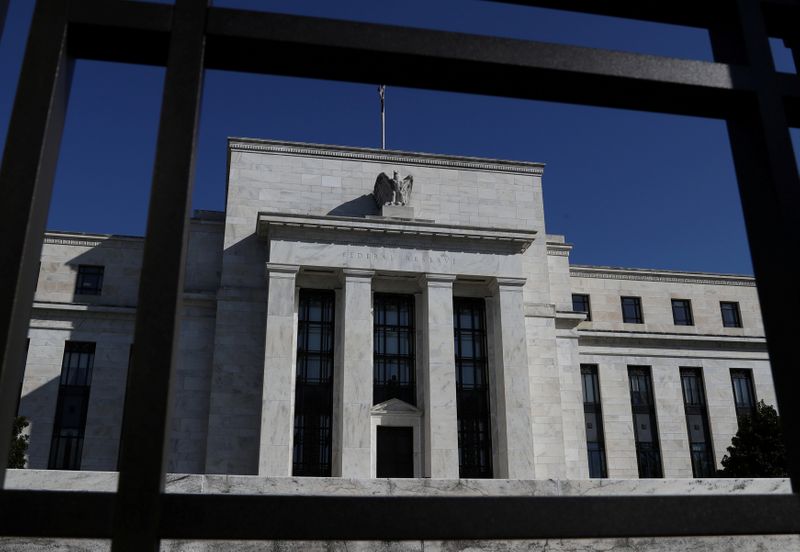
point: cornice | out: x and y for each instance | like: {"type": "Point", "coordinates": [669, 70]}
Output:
{"type": "Point", "coordinates": [89, 240]}
{"type": "Point", "coordinates": [558, 249]}
{"type": "Point", "coordinates": [646, 275]}
{"type": "Point", "coordinates": [385, 156]}
{"type": "Point", "coordinates": [521, 239]}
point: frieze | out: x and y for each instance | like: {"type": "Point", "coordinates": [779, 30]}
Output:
{"type": "Point", "coordinates": [404, 158]}
{"type": "Point", "coordinates": [440, 259]}
{"type": "Point", "coordinates": [647, 276]}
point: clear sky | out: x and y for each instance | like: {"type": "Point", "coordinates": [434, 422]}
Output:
{"type": "Point", "coordinates": [626, 188]}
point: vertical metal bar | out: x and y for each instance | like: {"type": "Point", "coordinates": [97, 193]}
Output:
{"type": "Point", "coordinates": [26, 182]}
{"type": "Point", "coordinates": [145, 431]}
{"type": "Point", "coordinates": [770, 190]}
{"type": "Point", "coordinates": [3, 12]}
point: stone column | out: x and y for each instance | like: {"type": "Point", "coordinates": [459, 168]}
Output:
{"type": "Point", "coordinates": [280, 356]}
{"type": "Point", "coordinates": [440, 426]}
{"type": "Point", "coordinates": [354, 380]}
{"type": "Point", "coordinates": [512, 388]}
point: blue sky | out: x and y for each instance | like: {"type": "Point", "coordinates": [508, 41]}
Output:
{"type": "Point", "coordinates": [626, 188]}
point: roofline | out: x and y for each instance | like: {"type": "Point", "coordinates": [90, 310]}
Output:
{"type": "Point", "coordinates": [649, 274]}
{"type": "Point", "coordinates": [374, 155]}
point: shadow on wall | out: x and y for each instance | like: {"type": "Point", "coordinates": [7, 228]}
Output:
{"type": "Point", "coordinates": [358, 207]}
{"type": "Point", "coordinates": [39, 407]}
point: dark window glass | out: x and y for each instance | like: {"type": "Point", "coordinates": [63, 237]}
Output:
{"type": "Point", "coordinates": [314, 385]}
{"type": "Point", "coordinates": [694, 403]}
{"type": "Point", "coordinates": [593, 414]}
{"type": "Point", "coordinates": [90, 280]}
{"type": "Point", "coordinates": [580, 303]}
{"type": "Point", "coordinates": [632, 310]}
{"type": "Point", "coordinates": [472, 388]}
{"type": "Point", "coordinates": [393, 341]}
{"type": "Point", "coordinates": [731, 317]}
{"type": "Point", "coordinates": [648, 453]}
{"type": "Point", "coordinates": [682, 312]}
{"type": "Point", "coordinates": [744, 395]}
{"type": "Point", "coordinates": [71, 407]}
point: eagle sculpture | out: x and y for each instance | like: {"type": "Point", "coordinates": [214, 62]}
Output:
{"type": "Point", "coordinates": [392, 191]}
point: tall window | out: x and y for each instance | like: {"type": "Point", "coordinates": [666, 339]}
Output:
{"type": "Point", "coordinates": [632, 310]}
{"type": "Point", "coordinates": [580, 303]}
{"type": "Point", "coordinates": [682, 312]}
{"type": "Point", "coordinates": [472, 388]}
{"type": "Point", "coordinates": [314, 385]}
{"type": "Point", "coordinates": [393, 341]}
{"type": "Point", "coordinates": [694, 403]}
{"type": "Point", "coordinates": [731, 316]}
{"type": "Point", "coordinates": [90, 280]}
{"type": "Point", "coordinates": [648, 453]}
{"type": "Point", "coordinates": [744, 395]}
{"type": "Point", "coordinates": [593, 414]}
{"type": "Point", "coordinates": [69, 425]}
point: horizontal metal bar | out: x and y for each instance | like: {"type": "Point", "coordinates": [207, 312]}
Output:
{"type": "Point", "coordinates": [56, 514]}
{"type": "Point", "coordinates": [781, 16]}
{"type": "Point", "coordinates": [323, 48]}
{"type": "Point", "coordinates": [237, 517]}
{"type": "Point", "coordinates": [122, 31]}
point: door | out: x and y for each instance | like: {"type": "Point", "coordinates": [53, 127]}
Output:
{"type": "Point", "coordinates": [395, 452]}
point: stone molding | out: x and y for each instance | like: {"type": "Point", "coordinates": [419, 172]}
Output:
{"type": "Point", "coordinates": [647, 275]}
{"type": "Point", "coordinates": [558, 249]}
{"type": "Point", "coordinates": [540, 310]}
{"type": "Point", "coordinates": [357, 274]}
{"type": "Point", "coordinates": [90, 240]}
{"type": "Point", "coordinates": [503, 282]}
{"type": "Point", "coordinates": [384, 156]}
{"type": "Point", "coordinates": [396, 407]}
{"type": "Point", "coordinates": [437, 280]}
{"type": "Point", "coordinates": [520, 238]}
{"type": "Point", "coordinates": [279, 270]}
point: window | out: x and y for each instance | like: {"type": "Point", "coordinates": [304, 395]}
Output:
{"type": "Point", "coordinates": [90, 280]}
{"type": "Point", "coordinates": [682, 312]}
{"type": "Point", "coordinates": [580, 303]}
{"type": "Point", "coordinates": [311, 455]}
{"type": "Point", "coordinates": [731, 317]}
{"type": "Point", "coordinates": [593, 414]}
{"type": "Point", "coordinates": [744, 395]}
{"type": "Point", "coordinates": [648, 453]}
{"type": "Point", "coordinates": [694, 404]}
{"type": "Point", "coordinates": [472, 389]}
{"type": "Point", "coordinates": [71, 407]}
{"type": "Point", "coordinates": [632, 310]}
{"type": "Point", "coordinates": [393, 342]}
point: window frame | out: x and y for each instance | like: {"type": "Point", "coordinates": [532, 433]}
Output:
{"type": "Point", "coordinates": [745, 374]}
{"type": "Point", "coordinates": [594, 408]}
{"type": "Point", "coordinates": [382, 391]}
{"type": "Point", "coordinates": [636, 305]}
{"type": "Point", "coordinates": [686, 305]}
{"type": "Point", "coordinates": [588, 301]}
{"type": "Point", "coordinates": [701, 467]}
{"type": "Point", "coordinates": [737, 313]}
{"type": "Point", "coordinates": [642, 461]}
{"type": "Point", "coordinates": [84, 273]}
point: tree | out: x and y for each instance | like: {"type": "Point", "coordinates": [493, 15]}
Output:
{"type": "Point", "coordinates": [757, 449]}
{"type": "Point", "coordinates": [19, 443]}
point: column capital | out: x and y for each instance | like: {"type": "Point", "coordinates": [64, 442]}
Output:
{"type": "Point", "coordinates": [437, 280]}
{"type": "Point", "coordinates": [279, 270]}
{"type": "Point", "coordinates": [356, 273]}
{"type": "Point", "coordinates": [503, 284]}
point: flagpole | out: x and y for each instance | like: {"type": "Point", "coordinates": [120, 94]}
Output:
{"type": "Point", "coordinates": [382, 93]}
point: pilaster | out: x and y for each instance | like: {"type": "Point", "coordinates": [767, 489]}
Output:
{"type": "Point", "coordinates": [440, 425]}
{"type": "Point", "coordinates": [280, 355]}
{"type": "Point", "coordinates": [511, 378]}
{"type": "Point", "coordinates": [352, 431]}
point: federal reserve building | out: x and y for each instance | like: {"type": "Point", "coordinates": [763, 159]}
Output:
{"type": "Point", "coordinates": [367, 321]}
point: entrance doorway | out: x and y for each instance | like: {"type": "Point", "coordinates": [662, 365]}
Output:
{"type": "Point", "coordinates": [395, 452]}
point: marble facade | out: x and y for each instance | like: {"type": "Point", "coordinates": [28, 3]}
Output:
{"type": "Point", "coordinates": [301, 216]}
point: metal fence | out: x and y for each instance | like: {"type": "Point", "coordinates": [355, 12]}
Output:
{"type": "Point", "coordinates": [741, 87]}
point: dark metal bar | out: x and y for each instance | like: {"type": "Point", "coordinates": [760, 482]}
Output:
{"type": "Point", "coordinates": [779, 15]}
{"type": "Point", "coordinates": [770, 190]}
{"type": "Point", "coordinates": [406, 518]}
{"type": "Point", "coordinates": [3, 12]}
{"type": "Point", "coordinates": [89, 514]}
{"type": "Point", "coordinates": [143, 448]}
{"type": "Point", "coordinates": [124, 31]}
{"type": "Point", "coordinates": [26, 183]}
{"type": "Point", "coordinates": [56, 514]}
